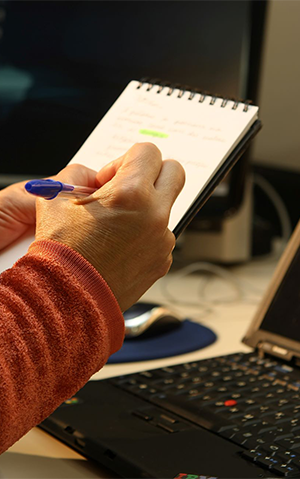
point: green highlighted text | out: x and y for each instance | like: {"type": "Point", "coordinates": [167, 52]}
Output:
{"type": "Point", "coordinates": [157, 134]}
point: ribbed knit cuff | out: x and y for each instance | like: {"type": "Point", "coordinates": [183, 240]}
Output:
{"type": "Point", "coordinates": [90, 280]}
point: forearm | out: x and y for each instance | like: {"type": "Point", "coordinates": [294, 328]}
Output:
{"type": "Point", "coordinates": [59, 324]}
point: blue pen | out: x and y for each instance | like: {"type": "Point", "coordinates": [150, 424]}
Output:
{"type": "Point", "coordinates": [49, 189]}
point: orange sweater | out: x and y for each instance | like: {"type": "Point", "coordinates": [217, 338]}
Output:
{"type": "Point", "coordinates": [59, 323]}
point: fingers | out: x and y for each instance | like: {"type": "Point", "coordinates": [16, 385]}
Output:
{"type": "Point", "coordinates": [142, 162]}
{"type": "Point", "coordinates": [77, 175]}
{"type": "Point", "coordinates": [139, 167]}
{"type": "Point", "coordinates": [170, 181]}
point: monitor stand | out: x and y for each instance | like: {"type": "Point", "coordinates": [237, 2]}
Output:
{"type": "Point", "coordinates": [230, 243]}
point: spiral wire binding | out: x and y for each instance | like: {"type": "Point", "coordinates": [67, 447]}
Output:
{"type": "Point", "coordinates": [192, 92]}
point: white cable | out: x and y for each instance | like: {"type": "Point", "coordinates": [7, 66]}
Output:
{"type": "Point", "coordinates": [278, 204]}
{"type": "Point", "coordinates": [203, 302]}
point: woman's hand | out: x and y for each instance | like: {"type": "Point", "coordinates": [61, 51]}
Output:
{"type": "Point", "coordinates": [18, 208]}
{"type": "Point", "coordinates": [122, 229]}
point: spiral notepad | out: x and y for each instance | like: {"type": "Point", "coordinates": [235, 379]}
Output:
{"type": "Point", "coordinates": [206, 134]}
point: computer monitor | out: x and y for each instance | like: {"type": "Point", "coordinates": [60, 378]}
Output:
{"type": "Point", "coordinates": [64, 63]}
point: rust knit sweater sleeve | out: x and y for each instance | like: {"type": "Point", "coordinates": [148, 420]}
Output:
{"type": "Point", "coordinates": [59, 323]}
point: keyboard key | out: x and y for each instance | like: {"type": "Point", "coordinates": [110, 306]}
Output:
{"type": "Point", "coordinates": [286, 470]}
{"type": "Point", "coordinates": [252, 455]}
{"type": "Point", "coordinates": [267, 461]}
{"type": "Point", "coordinates": [292, 442]}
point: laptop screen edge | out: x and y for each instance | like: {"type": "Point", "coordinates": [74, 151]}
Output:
{"type": "Point", "coordinates": [256, 336]}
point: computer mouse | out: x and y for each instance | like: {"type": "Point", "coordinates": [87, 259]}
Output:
{"type": "Point", "coordinates": [149, 319]}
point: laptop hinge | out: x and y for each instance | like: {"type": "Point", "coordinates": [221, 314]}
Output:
{"type": "Point", "coordinates": [264, 347]}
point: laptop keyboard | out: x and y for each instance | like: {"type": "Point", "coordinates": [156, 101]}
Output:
{"type": "Point", "coordinates": [251, 401]}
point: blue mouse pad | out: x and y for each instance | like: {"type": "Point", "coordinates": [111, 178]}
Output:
{"type": "Point", "coordinates": [187, 337]}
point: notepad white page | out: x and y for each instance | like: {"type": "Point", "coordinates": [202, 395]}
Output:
{"type": "Point", "coordinates": [199, 135]}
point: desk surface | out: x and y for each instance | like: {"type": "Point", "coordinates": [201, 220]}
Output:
{"type": "Point", "coordinates": [225, 308]}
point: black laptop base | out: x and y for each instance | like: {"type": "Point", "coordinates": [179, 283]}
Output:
{"type": "Point", "coordinates": [230, 417]}
{"type": "Point", "coordinates": [134, 447]}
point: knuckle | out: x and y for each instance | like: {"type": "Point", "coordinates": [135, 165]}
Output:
{"type": "Point", "coordinates": [129, 196]}
{"type": "Point", "coordinates": [148, 148]}
{"type": "Point", "coordinates": [146, 153]}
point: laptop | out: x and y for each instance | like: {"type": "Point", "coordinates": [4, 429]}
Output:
{"type": "Point", "coordinates": [235, 416]}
